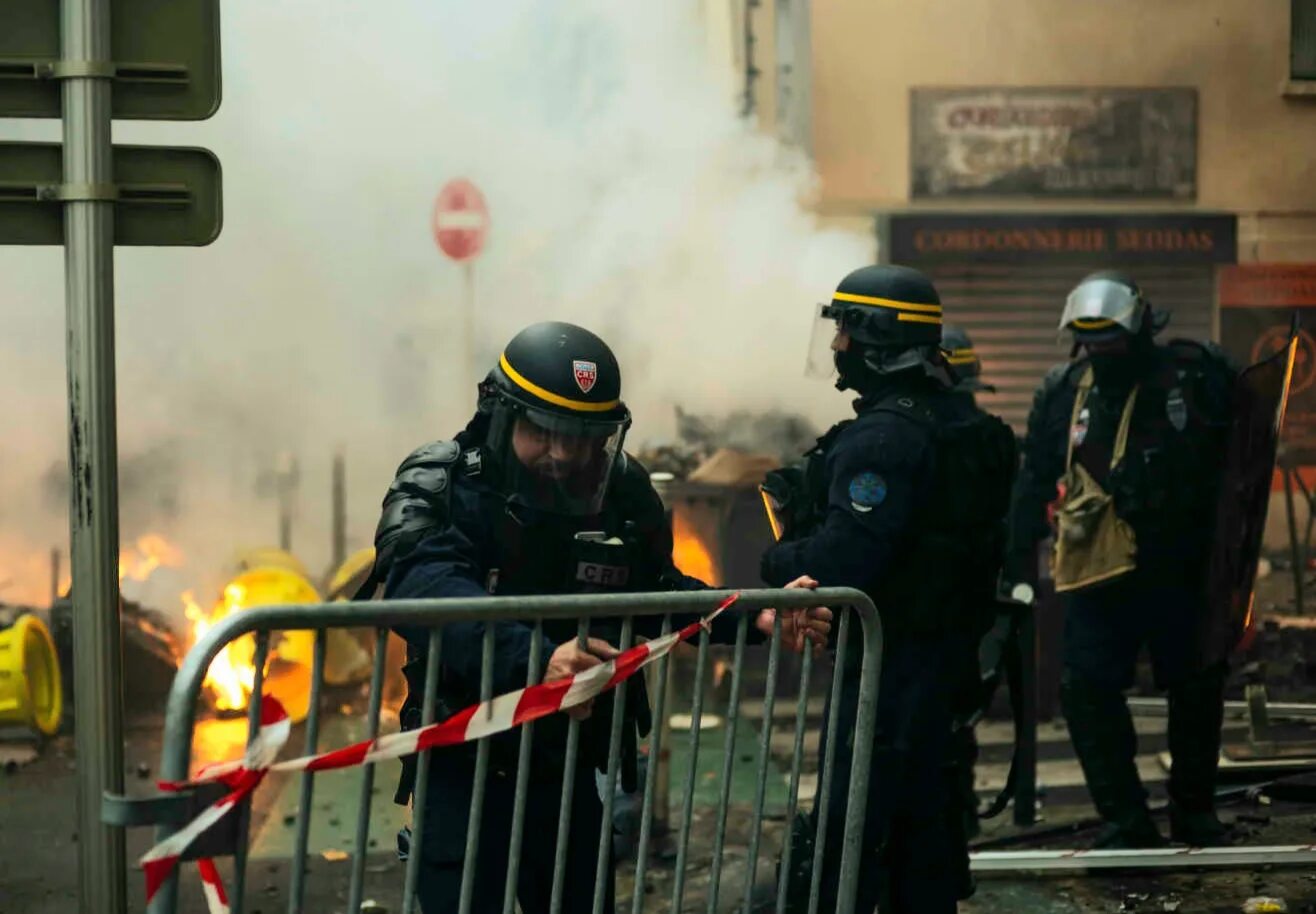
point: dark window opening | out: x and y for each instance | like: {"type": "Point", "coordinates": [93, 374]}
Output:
{"type": "Point", "coordinates": [1302, 40]}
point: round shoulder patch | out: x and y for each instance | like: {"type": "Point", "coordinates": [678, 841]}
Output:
{"type": "Point", "coordinates": [867, 491]}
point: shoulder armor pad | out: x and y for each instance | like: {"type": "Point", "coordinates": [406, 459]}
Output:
{"type": "Point", "coordinates": [436, 453]}
{"type": "Point", "coordinates": [416, 501]}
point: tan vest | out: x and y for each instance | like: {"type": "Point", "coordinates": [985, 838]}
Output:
{"type": "Point", "coordinates": [1093, 544]}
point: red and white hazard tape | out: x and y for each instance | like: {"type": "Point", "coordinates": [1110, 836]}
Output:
{"type": "Point", "coordinates": [212, 886]}
{"type": "Point", "coordinates": [484, 719]}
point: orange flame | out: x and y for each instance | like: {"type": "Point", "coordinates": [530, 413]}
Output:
{"type": "Point", "coordinates": [137, 560]}
{"type": "Point", "coordinates": [144, 556]}
{"type": "Point", "coordinates": [689, 552]}
{"type": "Point", "coordinates": [231, 676]}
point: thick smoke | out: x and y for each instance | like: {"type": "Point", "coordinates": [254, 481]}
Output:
{"type": "Point", "coordinates": [625, 195]}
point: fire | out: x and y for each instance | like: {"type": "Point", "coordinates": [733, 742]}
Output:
{"type": "Point", "coordinates": [144, 556]}
{"type": "Point", "coordinates": [689, 552]}
{"type": "Point", "coordinates": [231, 677]}
{"type": "Point", "coordinates": [137, 560]}
{"type": "Point", "coordinates": [232, 674]}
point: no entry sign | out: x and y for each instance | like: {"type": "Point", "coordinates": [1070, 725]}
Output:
{"type": "Point", "coordinates": [461, 220]}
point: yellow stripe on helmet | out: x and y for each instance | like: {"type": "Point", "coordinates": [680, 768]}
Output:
{"type": "Point", "coordinates": [920, 318]}
{"type": "Point", "coordinates": [961, 356]}
{"type": "Point", "coordinates": [886, 303]}
{"type": "Point", "coordinates": [1094, 323]}
{"type": "Point", "coordinates": [583, 406]}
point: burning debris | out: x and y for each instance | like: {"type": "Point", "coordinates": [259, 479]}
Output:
{"type": "Point", "coordinates": [230, 679]}
{"type": "Point", "coordinates": [151, 651]}
{"type": "Point", "coordinates": [718, 526]}
{"type": "Point", "coordinates": [780, 436]}
{"type": "Point", "coordinates": [154, 642]}
{"type": "Point", "coordinates": [688, 550]}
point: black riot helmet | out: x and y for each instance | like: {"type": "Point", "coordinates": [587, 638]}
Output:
{"type": "Point", "coordinates": [963, 360]}
{"type": "Point", "coordinates": [892, 316]}
{"type": "Point", "coordinates": [556, 419]}
{"type": "Point", "coordinates": [1108, 305]}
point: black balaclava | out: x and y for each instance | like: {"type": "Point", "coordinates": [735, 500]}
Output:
{"type": "Point", "coordinates": [852, 371]}
{"type": "Point", "coordinates": [855, 372]}
{"type": "Point", "coordinates": [1119, 371]}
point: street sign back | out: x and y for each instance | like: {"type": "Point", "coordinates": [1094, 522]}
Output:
{"type": "Point", "coordinates": [165, 55]}
{"type": "Point", "coordinates": [166, 195]}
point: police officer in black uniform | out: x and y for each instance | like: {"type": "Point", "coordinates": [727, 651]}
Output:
{"type": "Point", "coordinates": [965, 364]}
{"type": "Point", "coordinates": [1138, 431]}
{"type": "Point", "coordinates": [898, 502]}
{"type": "Point", "coordinates": [969, 694]}
{"type": "Point", "coordinates": [535, 496]}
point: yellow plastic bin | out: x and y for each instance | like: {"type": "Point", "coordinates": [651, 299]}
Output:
{"type": "Point", "coordinates": [30, 690]}
{"type": "Point", "coordinates": [349, 649]}
{"type": "Point", "coordinates": [349, 576]}
{"type": "Point", "coordinates": [266, 557]}
{"type": "Point", "coordinates": [288, 676]}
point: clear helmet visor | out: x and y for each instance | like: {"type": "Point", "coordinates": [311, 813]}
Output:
{"type": "Point", "coordinates": [1102, 306]}
{"type": "Point", "coordinates": [555, 465]}
{"type": "Point", "coordinates": [820, 361]}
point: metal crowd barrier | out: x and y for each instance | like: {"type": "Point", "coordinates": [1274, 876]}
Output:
{"type": "Point", "coordinates": [181, 717]}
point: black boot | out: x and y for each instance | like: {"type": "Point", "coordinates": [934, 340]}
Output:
{"type": "Point", "coordinates": [1196, 708]}
{"type": "Point", "coordinates": [1103, 736]}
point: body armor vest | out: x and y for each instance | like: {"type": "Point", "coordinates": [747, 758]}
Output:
{"type": "Point", "coordinates": [942, 577]}
{"type": "Point", "coordinates": [539, 555]}
{"type": "Point", "coordinates": [1164, 484]}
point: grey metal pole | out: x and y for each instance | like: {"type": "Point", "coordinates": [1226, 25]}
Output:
{"type": "Point", "coordinates": [93, 450]}
{"type": "Point", "coordinates": [1295, 545]}
{"type": "Point", "coordinates": [285, 521]}
{"type": "Point", "coordinates": [287, 477]}
{"type": "Point", "coordinates": [660, 763]}
{"type": "Point", "coordinates": [1025, 788]}
{"type": "Point", "coordinates": [467, 360]}
{"type": "Point", "coordinates": [54, 575]}
{"type": "Point", "coordinates": [339, 545]}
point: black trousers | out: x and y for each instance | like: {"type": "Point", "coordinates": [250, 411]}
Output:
{"type": "Point", "coordinates": [908, 863]}
{"type": "Point", "coordinates": [1105, 629]}
{"type": "Point", "coordinates": [1107, 626]}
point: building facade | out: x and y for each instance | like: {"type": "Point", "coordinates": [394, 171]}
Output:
{"type": "Point", "coordinates": [1007, 148]}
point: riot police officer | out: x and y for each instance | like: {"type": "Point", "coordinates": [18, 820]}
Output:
{"type": "Point", "coordinates": [1135, 432]}
{"type": "Point", "coordinates": [970, 694]}
{"type": "Point", "coordinates": [901, 502]}
{"type": "Point", "coordinates": [964, 363]}
{"type": "Point", "coordinates": [535, 496]}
